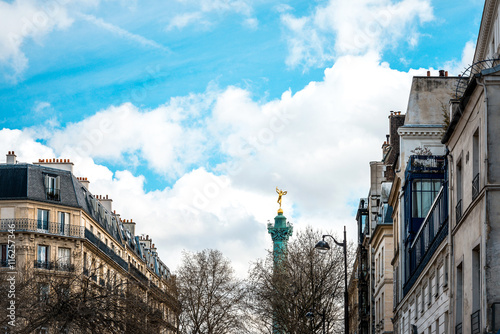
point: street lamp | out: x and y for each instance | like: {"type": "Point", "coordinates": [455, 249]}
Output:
{"type": "Point", "coordinates": [310, 315]}
{"type": "Point", "coordinates": [322, 246]}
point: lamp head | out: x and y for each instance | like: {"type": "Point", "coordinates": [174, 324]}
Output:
{"type": "Point", "coordinates": [322, 246]}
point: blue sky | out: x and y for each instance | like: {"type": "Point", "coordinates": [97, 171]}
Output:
{"type": "Point", "coordinates": [219, 101]}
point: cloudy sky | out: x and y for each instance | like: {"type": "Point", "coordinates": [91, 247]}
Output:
{"type": "Point", "coordinates": [189, 113]}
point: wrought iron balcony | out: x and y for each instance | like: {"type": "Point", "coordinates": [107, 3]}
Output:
{"type": "Point", "coordinates": [426, 164]}
{"type": "Point", "coordinates": [38, 226]}
{"type": "Point", "coordinates": [475, 322]}
{"type": "Point", "coordinates": [475, 186]}
{"type": "Point", "coordinates": [103, 247]}
{"type": "Point", "coordinates": [433, 231]}
{"type": "Point", "coordinates": [137, 273]}
{"type": "Point", "coordinates": [50, 265]}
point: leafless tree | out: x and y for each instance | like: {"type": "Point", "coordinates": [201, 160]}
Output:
{"type": "Point", "coordinates": [212, 299]}
{"type": "Point", "coordinates": [303, 292]}
{"type": "Point", "coordinates": [78, 301]}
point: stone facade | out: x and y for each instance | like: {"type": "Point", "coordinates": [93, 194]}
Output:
{"type": "Point", "coordinates": [60, 228]}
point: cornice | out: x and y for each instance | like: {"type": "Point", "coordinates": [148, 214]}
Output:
{"type": "Point", "coordinates": [436, 132]}
{"type": "Point", "coordinates": [486, 23]}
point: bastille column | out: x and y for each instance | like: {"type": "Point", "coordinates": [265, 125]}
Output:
{"type": "Point", "coordinates": [280, 232]}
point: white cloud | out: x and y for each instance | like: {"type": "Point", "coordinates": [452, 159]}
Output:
{"type": "Point", "coordinates": [352, 27]}
{"type": "Point", "coordinates": [26, 19]}
{"type": "Point", "coordinates": [456, 67]}
{"type": "Point", "coordinates": [225, 154]}
{"type": "Point", "coordinates": [201, 13]}
{"type": "Point", "coordinates": [122, 32]}
{"type": "Point", "coordinates": [185, 19]}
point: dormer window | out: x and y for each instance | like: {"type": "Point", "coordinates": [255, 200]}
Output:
{"type": "Point", "coordinates": [52, 187]}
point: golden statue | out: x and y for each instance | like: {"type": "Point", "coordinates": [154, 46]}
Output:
{"type": "Point", "coordinates": [280, 194]}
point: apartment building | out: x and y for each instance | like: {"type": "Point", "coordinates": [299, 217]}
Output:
{"type": "Point", "coordinates": [60, 229]}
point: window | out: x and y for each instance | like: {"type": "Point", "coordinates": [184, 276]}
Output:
{"type": "Point", "coordinates": [52, 187]}
{"type": "Point", "coordinates": [63, 222]}
{"type": "Point", "coordinates": [423, 193]}
{"type": "Point", "coordinates": [43, 254]}
{"type": "Point", "coordinates": [3, 255]}
{"type": "Point", "coordinates": [458, 208]}
{"type": "Point", "coordinates": [382, 263]}
{"type": "Point", "coordinates": [64, 258]}
{"type": "Point", "coordinates": [459, 294]}
{"type": "Point", "coordinates": [92, 228]}
{"type": "Point", "coordinates": [476, 279]}
{"type": "Point", "coordinates": [475, 164]}
{"type": "Point", "coordinates": [43, 219]}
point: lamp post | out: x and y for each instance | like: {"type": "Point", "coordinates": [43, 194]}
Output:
{"type": "Point", "coordinates": [310, 315]}
{"type": "Point", "coordinates": [322, 246]}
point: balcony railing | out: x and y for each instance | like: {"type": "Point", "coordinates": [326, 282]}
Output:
{"type": "Point", "coordinates": [475, 186]}
{"type": "Point", "coordinates": [433, 231]}
{"type": "Point", "coordinates": [426, 163]}
{"type": "Point", "coordinates": [458, 211]}
{"type": "Point", "coordinates": [53, 194]}
{"type": "Point", "coordinates": [48, 265]}
{"type": "Point", "coordinates": [103, 247]}
{"type": "Point", "coordinates": [38, 226]}
{"type": "Point", "coordinates": [475, 322]}
{"type": "Point", "coordinates": [137, 273]}
{"type": "Point", "coordinates": [458, 329]}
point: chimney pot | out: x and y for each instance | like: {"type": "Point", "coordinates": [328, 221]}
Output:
{"type": "Point", "coordinates": [441, 73]}
{"type": "Point", "coordinates": [446, 73]}
{"type": "Point", "coordinates": [428, 73]}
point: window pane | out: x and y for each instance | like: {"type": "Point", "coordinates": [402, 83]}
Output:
{"type": "Point", "coordinates": [43, 219]}
{"type": "Point", "coordinates": [42, 254]}
{"type": "Point", "coordinates": [64, 256]}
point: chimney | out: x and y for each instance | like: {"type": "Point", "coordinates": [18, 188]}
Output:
{"type": "Point", "coordinates": [84, 182]}
{"type": "Point", "coordinates": [129, 225]}
{"type": "Point", "coordinates": [446, 73]}
{"type": "Point", "coordinates": [11, 158]}
{"type": "Point", "coordinates": [428, 73]}
{"type": "Point", "coordinates": [441, 73]}
{"type": "Point", "coordinates": [63, 164]}
{"type": "Point", "coordinates": [106, 202]}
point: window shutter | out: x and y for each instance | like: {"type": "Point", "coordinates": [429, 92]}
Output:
{"type": "Point", "coordinates": [58, 183]}
{"type": "Point", "coordinates": [46, 181]}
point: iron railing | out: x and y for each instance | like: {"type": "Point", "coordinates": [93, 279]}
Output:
{"type": "Point", "coordinates": [432, 232]}
{"type": "Point", "coordinates": [39, 226]}
{"type": "Point", "coordinates": [103, 247]}
{"type": "Point", "coordinates": [53, 194]}
{"type": "Point", "coordinates": [458, 329]}
{"type": "Point", "coordinates": [137, 273]}
{"type": "Point", "coordinates": [475, 186]}
{"type": "Point", "coordinates": [458, 211]}
{"type": "Point", "coordinates": [50, 265]}
{"type": "Point", "coordinates": [4, 263]}
{"type": "Point", "coordinates": [475, 322]}
{"type": "Point", "coordinates": [426, 163]}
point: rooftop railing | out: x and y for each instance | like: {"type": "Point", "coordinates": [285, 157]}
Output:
{"type": "Point", "coordinates": [39, 226]}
